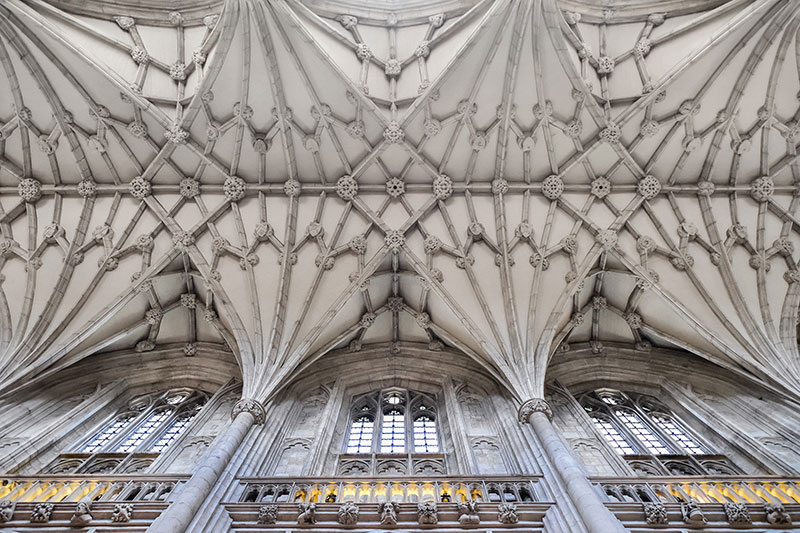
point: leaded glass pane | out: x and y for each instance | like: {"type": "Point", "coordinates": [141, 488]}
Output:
{"type": "Point", "coordinates": [360, 439]}
{"type": "Point", "coordinates": [147, 428]}
{"type": "Point", "coordinates": [637, 426]}
{"type": "Point", "coordinates": [173, 432]}
{"type": "Point", "coordinates": [678, 434]}
{"type": "Point", "coordinates": [393, 432]}
{"type": "Point", "coordinates": [425, 438]}
{"type": "Point", "coordinates": [613, 436]}
{"type": "Point", "coordinates": [108, 433]}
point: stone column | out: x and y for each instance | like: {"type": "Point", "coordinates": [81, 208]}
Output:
{"type": "Point", "coordinates": [595, 515]}
{"type": "Point", "coordinates": [180, 513]}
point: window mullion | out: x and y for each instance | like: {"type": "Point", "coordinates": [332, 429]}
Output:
{"type": "Point", "coordinates": [684, 430]}
{"type": "Point", "coordinates": [668, 441]}
{"type": "Point", "coordinates": [158, 431]}
{"type": "Point", "coordinates": [409, 430]}
{"type": "Point", "coordinates": [111, 445]}
{"type": "Point", "coordinates": [377, 431]}
{"type": "Point", "coordinates": [633, 439]}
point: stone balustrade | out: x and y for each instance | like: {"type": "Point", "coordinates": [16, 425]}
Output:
{"type": "Point", "coordinates": [723, 489]}
{"type": "Point", "coordinates": [441, 489]}
{"type": "Point", "coordinates": [73, 488]}
{"type": "Point", "coordinates": [371, 503]}
{"type": "Point", "coordinates": [56, 502]}
{"type": "Point", "coordinates": [714, 503]}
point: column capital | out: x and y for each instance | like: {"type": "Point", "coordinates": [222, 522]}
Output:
{"type": "Point", "coordinates": [248, 405]}
{"type": "Point", "coordinates": [534, 405]}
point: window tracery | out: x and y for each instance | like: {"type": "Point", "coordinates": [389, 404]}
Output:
{"type": "Point", "coordinates": [651, 438]}
{"type": "Point", "coordinates": [135, 436]}
{"type": "Point", "coordinates": [390, 422]}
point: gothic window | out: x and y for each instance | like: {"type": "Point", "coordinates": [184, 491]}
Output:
{"type": "Point", "coordinates": [113, 429]}
{"type": "Point", "coordinates": [360, 440]}
{"type": "Point", "coordinates": [426, 438]}
{"type": "Point", "coordinates": [638, 426]}
{"type": "Point", "coordinates": [641, 431]}
{"type": "Point", "coordinates": [404, 422]}
{"type": "Point", "coordinates": [609, 432]}
{"type": "Point", "coordinates": [175, 429]}
{"type": "Point", "coordinates": [393, 431]}
{"type": "Point", "coordinates": [146, 427]}
{"type": "Point", "coordinates": [674, 430]}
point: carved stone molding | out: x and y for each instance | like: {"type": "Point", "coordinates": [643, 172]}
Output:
{"type": "Point", "coordinates": [534, 405]}
{"type": "Point", "coordinates": [507, 513]}
{"type": "Point", "coordinates": [655, 513]}
{"type": "Point", "coordinates": [82, 516]}
{"type": "Point", "coordinates": [427, 513]}
{"type": "Point", "coordinates": [123, 512]}
{"type": "Point", "coordinates": [268, 514]}
{"type": "Point", "coordinates": [7, 510]}
{"type": "Point", "coordinates": [41, 513]}
{"type": "Point", "coordinates": [348, 514]}
{"type": "Point", "coordinates": [251, 406]}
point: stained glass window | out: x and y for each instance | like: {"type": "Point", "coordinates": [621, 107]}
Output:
{"type": "Point", "coordinates": [172, 433]}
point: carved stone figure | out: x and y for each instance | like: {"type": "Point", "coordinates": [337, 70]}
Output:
{"type": "Point", "coordinates": [123, 512]}
{"type": "Point", "coordinates": [348, 514]}
{"type": "Point", "coordinates": [692, 514]}
{"type": "Point", "coordinates": [82, 516]}
{"type": "Point", "coordinates": [468, 513]}
{"type": "Point", "coordinates": [41, 512]}
{"type": "Point", "coordinates": [7, 511]}
{"type": "Point", "coordinates": [507, 513]}
{"type": "Point", "coordinates": [388, 512]}
{"type": "Point", "coordinates": [307, 513]}
{"type": "Point", "coordinates": [776, 514]}
{"type": "Point", "coordinates": [427, 513]}
{"type": "Point", "coordinates": [268, 514]}
{"type": "Point", "coordinates": [737, 513]}
{"type": "Point", "coordinates": [655, 513]}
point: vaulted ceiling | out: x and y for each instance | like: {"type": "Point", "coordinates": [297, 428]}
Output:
{"type": "Point", "coordinates": [509, 178]}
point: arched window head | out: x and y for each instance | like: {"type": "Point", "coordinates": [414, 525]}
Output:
{"type": "Point", "coordinates": [150, 423]}
{"type": "Point", "coordinates": [636, 425]}
{"type": "Point", "coordinates": [404, 421]}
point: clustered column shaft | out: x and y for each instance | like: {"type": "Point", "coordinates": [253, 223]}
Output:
{"type": "Point", "coordinates": [595, 515]}
{"type": "Point", "coordinates": [179, 515]}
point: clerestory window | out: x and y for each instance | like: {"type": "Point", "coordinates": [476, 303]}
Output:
{"type": "Point", "coordinates": [134, 437]}
{"type": "Point", "coordinates": [650, 437]}
{"type": "Point", "coordinates": [405, 422]}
